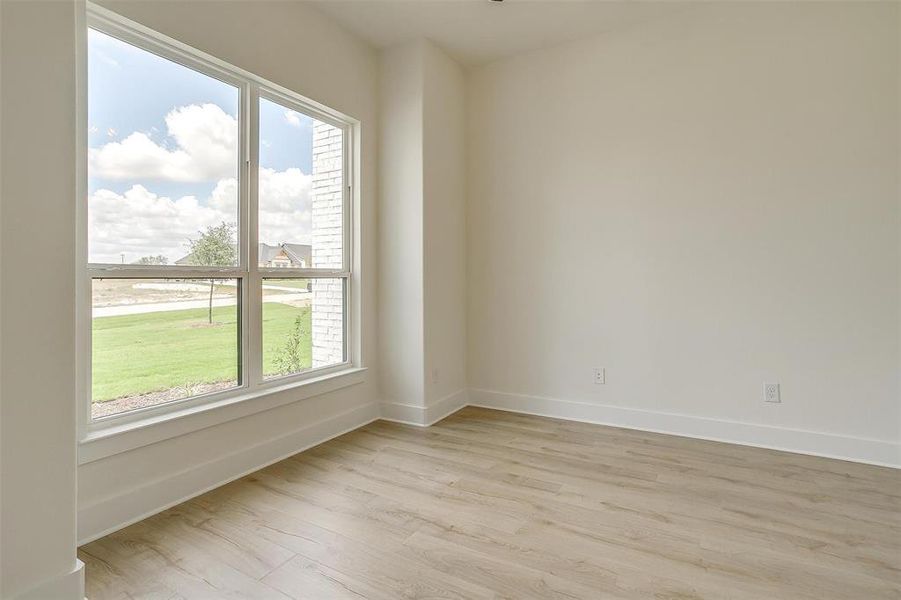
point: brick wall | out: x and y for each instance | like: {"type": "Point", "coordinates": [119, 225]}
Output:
{"type": "Point", "coordinates": [327, 242]}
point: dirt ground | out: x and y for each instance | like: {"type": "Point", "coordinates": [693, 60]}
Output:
{"type": "Point", "coordinates": [119, 405]}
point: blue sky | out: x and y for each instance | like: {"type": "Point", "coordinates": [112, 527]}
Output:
{"type": "Point", "coordinates": [184, 167]}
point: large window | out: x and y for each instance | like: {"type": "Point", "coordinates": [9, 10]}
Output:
{"type": "Point", "coordinates": [216, 231]}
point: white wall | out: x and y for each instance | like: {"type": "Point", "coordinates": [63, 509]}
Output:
{"type": "Point", "coordinates": [295, 46]}
{"type": "Point", "coordinates": [422, 233]}
{"type": "Point", "coordinates": [400, 225]}
{"type": "Point", "coordinates": [444, 227]}
{"type": "Point", "coordinates": [37, 275]}
{"type": "Point", "coordinates": [699, 204]}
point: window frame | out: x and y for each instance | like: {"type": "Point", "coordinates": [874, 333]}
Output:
{"type": "Point", "coordinates": [252, 383]}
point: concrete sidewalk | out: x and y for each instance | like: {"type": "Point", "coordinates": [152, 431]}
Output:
{"type": "Point", "coordinates": [137, 309]}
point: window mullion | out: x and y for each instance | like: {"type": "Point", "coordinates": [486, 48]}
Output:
{"type": "Point", "coordinates": [253, 362]}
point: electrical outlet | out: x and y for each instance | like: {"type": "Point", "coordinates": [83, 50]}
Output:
{"type": "Point", "coordinates": [771, 393]}
{"type": "Point", "coordinates": [600, 376]}
{"type": "Point", "coordinates": [435, 376]}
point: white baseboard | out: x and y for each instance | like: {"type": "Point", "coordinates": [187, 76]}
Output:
{"type": "Point", "coordinates": [65, 586]}
{"type": "Point", "coordinates": [423, 416]}
{"type": "Point", "coordinates": [829, 445]}
{"type": "Point", "coordinates": [112, 514]}
{"type": "Point", "coordinates": [119, 511]}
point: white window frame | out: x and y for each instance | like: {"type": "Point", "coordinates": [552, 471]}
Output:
{"type": "Point", "coordinates": [253, 386]}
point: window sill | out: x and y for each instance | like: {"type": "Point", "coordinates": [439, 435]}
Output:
{"type": "Point", "coordinates": [117, 438]}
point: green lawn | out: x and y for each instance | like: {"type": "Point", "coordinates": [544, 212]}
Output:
{"type": "Point", "coordinates": [291, 283]}
{"type": "Point", "coordinates": [136, 354]}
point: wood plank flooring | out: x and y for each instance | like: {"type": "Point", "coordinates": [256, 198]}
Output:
{"type": "Point", "coordinates": [488, 504]}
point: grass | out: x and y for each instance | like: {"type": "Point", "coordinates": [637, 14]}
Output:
{"type": "Point", "coordinates": [137, 354]}
{"type": "Point", "coordinates": [300, 284]}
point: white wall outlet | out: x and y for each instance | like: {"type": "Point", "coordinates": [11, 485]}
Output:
{"type": "Point", "coordinates": [600, 376]}
{"type": "Point", "coordinates": [771, 393]}
{"type": "Point", "coordinates": [435, 376]}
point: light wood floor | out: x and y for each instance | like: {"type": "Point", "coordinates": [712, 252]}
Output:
{"type": "Point", "coordinates": [489, 504]}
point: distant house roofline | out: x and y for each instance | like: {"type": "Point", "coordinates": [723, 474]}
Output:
{"type": "Point", "coordinates": [297, 255]}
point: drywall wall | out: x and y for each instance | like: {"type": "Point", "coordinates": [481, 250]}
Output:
{"type": "Point", "coordinates": [444, 226]}
{"type": "Point", "coordinates": [400, 226]}
{"type": "Point", "coordinates": [37, 275]}
{"type": "Point", "coordinates": [422, 233]}
{"type": "Point", "coordinates": [295, 46]}
{"type": "Point", "coordinates": [698, 204]}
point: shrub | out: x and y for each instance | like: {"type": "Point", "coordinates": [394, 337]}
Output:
{"type": "Point", "coordinates": [288, 359]}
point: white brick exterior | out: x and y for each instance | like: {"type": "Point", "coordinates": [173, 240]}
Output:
{"type": "Point", "coordinates": [327, 242]}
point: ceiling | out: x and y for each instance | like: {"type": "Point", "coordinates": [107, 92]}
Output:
{"type": "Point", "coordinates": [479, 31]}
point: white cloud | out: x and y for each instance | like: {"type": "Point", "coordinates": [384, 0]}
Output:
{"type": "Point", "coordinates": [284, 206]}
{"type": "Point", "coordinates": [140, 223]}
{"type": "Point", "coordinates": [292, 117]}
{"type": "Point", "coordinates": [206, 139]}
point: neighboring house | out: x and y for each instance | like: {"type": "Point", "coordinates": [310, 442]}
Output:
{"type": "Point", "coordinates": [282, 255]}
{"type": "Point", "coordinates": [285, 255]}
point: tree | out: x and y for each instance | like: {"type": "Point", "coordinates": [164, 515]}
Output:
{"type": "Point", "coordinates": [159, 259]}
{"type": "Point", "coordinates": [214, 248]}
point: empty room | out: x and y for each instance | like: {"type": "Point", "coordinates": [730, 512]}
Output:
{"type": "Point", "coordinates": [471, 299]}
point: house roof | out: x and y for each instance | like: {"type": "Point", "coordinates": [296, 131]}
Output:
{"type": "Point", "coordinates": [299, 253]}
{"type": "Point", "coordinates": [267, 252]}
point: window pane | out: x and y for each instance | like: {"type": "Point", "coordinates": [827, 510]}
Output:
{"type": "Point", "coordinates": [159, 340]}
{"type": "Point", "coordinates": [301, 203]}
{"type": "Point", "coordinates": [162, 159]}
{"type": "Point", "coordinates": [303, 325]}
